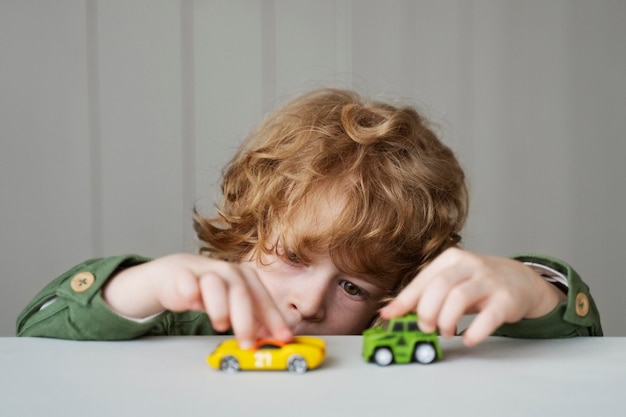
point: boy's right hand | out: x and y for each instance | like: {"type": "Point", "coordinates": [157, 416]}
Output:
{"type": "Point", "coordinates": [231, 294]}
{"type": "Point", "coordinates": [457, 282]}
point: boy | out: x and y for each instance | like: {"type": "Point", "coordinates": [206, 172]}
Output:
{"type": "Point", "coordinates": [332, 207]}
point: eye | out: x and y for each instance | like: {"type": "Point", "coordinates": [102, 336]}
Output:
{"type": "Point", "coordinates": [352, 289]}
{"type": "Point", "coordinates": [293, 258]}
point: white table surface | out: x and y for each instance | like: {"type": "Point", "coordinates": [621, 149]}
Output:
{"type": "Point", "coordinates": [168, 376]}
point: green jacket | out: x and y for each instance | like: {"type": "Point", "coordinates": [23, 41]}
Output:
{"type": "Point", "coordinates": [80, 313]}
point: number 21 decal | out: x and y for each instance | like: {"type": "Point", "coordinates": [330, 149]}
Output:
{"type": "Point", "coordinates": [262, 359]}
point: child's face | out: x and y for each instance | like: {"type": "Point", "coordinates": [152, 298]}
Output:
{"type": "Point", "coordinates": [318, 298]}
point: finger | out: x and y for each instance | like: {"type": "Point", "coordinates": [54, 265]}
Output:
{"type": "Point", "coordinates": [453, 270]}
{"type": "Point", "coordinates": [483, 325]}
{"type": "Point", "coordinates": [410, 296]}
{"type": "Point", "coordinates": [242, 314]}
{"type": "Point", "coordinates": [461, 300]}
{"type": "Point", "coordinates": [404, 302]}
{"type": "Point", "coordinates": [180, 293]}
{"type": "Point", "coordinates": [436, 295]}
{"type": "Point", "coordinates": [187, 288]}
{"type": "Point", "coordinates": [269, 317]}
{"type": "Point", "coordinates": [215, 296]}
{"type": "Point", "coordinates": [408, 299]}
{"type": "Point", "coordinates": [227, 300]}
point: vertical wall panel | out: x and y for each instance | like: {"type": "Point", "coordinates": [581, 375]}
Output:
{"type": "Point", "coordinates": [188, 121]}
{"type": "Point", "coordinates": [228, 89]}
{"type": "Point", "coordinates": [442, 76]}
{"type": "Point", "coordinates": [489, 51]}
{"type": "Point", "coordinates": [521, 128]}
{"type": "Point", "coordinates": [596, 94]}
{"type": "Point", "coordinates": [383, 42]}
{"type": "Point", "coordinates": [140, 88]}
{"type": "Point", "coordinates": [306, 56]}
{"type": "Point", "coordinates": [45, 204]}
{"type": "Point", "coordinates": [343, 43]}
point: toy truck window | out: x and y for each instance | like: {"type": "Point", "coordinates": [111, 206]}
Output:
{"type": "Point", "coordinates": [397, 327]}
{"type": "Point", "coordinates": [412, 326]}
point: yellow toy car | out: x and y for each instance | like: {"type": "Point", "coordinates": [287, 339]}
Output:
{"type": "Point", "coordinates": [298, 356]}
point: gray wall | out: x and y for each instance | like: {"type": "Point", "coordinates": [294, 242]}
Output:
{"type": "Point", "coordinates": [117, 116]}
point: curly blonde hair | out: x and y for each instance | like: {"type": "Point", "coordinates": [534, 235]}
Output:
{"type": "Point", "coordinates": [402, 192]}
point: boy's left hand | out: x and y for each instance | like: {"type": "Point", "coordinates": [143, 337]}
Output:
{"type": "Point", "coordinates": [458, 282]}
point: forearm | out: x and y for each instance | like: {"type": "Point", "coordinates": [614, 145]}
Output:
{"type": "Point", "coordinates": [575, 315]}
{"type": "Point", "coordinates": [132, 293]}
{"type": "Point", "coordinates": [546, 298]}
{"type": "Point", "coordinates": [71, 306]}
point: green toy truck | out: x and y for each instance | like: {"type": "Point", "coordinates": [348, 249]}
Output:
{"type": "Point", "coordinates": [400, 340]}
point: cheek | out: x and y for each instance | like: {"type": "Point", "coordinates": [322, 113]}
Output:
{"type": "Point", "coordinates": [275, 291]}
{"type": "Point", "coordinates": [351, 319]}
{"type": "Point", "coordinates": [274, 282]}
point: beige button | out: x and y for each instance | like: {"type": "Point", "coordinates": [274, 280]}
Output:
{"type": "Point", "coordinates": [82, 281]}
{"type": "Point", "coordinates": [582, 304]}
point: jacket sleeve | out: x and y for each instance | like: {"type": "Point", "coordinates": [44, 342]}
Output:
{"type": "Point", "coordinates": [72, 307]}
{"type": "Point", "coordinates": [578, 316]}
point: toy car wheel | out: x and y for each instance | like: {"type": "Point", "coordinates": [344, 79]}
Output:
{"type": "Point", "coordinates": [425, 353]}
{"type": "Point", "coordinates": [229, 364]}
{"type": "Point", "coordinates": [297, 364]}
{"type": "Point", "coordinates": [383, 356]}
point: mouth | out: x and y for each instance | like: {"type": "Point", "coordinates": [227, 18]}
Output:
{"type": "Point", "coordinates": [303, 328]}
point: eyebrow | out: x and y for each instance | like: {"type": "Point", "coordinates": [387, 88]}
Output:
{"type": "Point", "coordinates": [385, 284]}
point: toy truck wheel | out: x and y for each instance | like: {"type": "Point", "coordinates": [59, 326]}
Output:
{"type": "Point", "coordinates": [383, 356]}
{"type": "Point", "coordinates": [297, 364]}
{"type": "Point", "coordinates": [229, 364]}
{"type": "Point", "coordinates": [425, 353]}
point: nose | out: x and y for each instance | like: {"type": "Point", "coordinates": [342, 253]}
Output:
{"type": "Point", "coordinates": [311, 294]}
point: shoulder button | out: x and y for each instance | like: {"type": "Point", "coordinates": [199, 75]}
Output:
{"type": "Point", "coordinates": [582, 304]}
{"type": "Point", "coordinates": [82, 281]}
